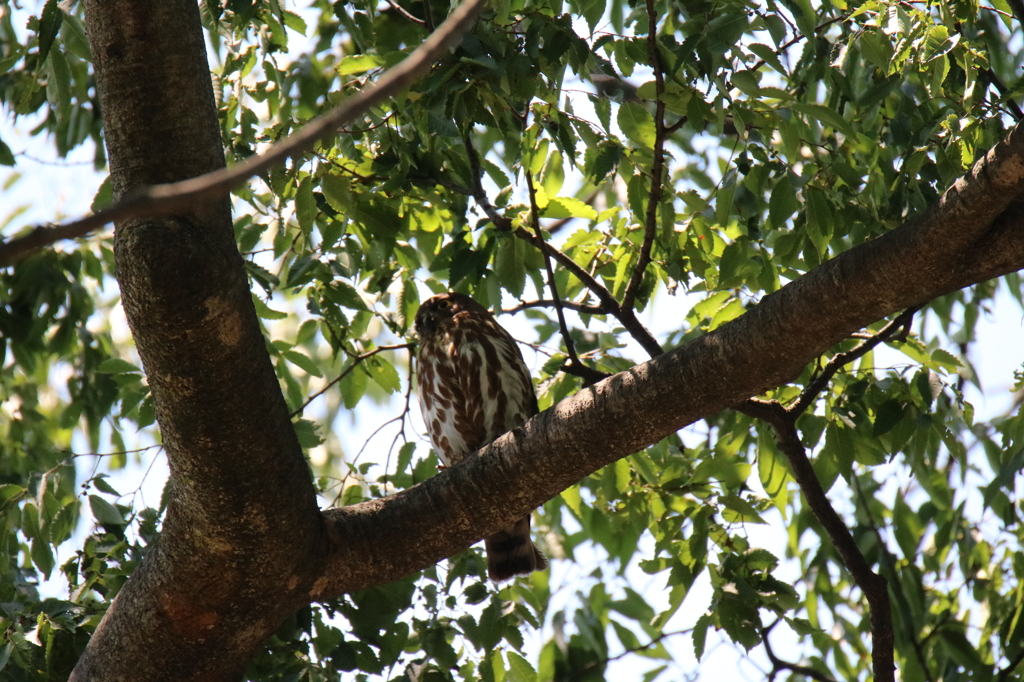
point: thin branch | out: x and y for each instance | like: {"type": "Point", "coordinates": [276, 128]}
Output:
{"type": "Point", "coordinates": [1018, 10]}
{"type": "Point", "coordinates": [590, 376]}
{"type": "Point", "coordinates": [810, 393]}
{"type": "Point", "coordinates": [779, 664]}
{"type": "Point", "coordinates": [874, 587]}
{"type": "Point", "coordinates": [405, 413]}
{"type": "Point", "coordinates": [887, 566]}
{"type": "Point", "coordinates": [405, 13]}
{"type": "Point", "coordinates": [428, 18]}
{"type": "Point", "coordinates": [608, 302]}
{"type": "Point", "coordinates": [356, 359]}
{"type": "Point", "coordinates": [545, 303]}
{"type": "Point", "coordinates": [783, 421]}
{"type": "Point", "coordinates": [657, 169]}
{"type": "Point", "coordinates": [182, 196]}
{"type": "Point", "coordinates": [643, 647]}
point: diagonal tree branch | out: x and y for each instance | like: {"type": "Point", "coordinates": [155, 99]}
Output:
{"type": "Point", "coordinates": [778, 664]}
{"type": "Point", "coordinates": [610, 305]}
{"type": "Point", "coordinates": [783, 421]}
{"type": "Point", "coordinates": [921, 260]}
{"type": "Point", "coordinates": [180, 197]}
{"type": "Point", "coordinates": [874, 586]}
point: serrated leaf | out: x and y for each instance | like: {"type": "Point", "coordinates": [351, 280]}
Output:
{"type": "Point", "coordinates": [294, 22]}
{"type": "Point", "coordinates": [49, 23]}
{"type": "Point", "coordinates": [825, 115]}
{"type": "Point", "coordinates": [700, 635]}
{"type": "Point", "coordinates": [820, 220]}
{"type": "Point", "coordinates": [116, 366]}
{"type": "Point", "coordinates": [385, 375]}
{"type": "Point", "coordinates": [637, 124]}
{"type": "Point", "coordinates": [104, 512]}
{"type": "Point", "coordinates": [358, 64]}
{"type": "Point", "coordinates": [42, 556]}
{"type": "Point", "coordinates": [946, 360]}
{"type": "Point", "coordinates": [307, 433]}
{"type": "Point", "coordinates": [100, 483]}
{"type": "Point", "coordinates": [571, 497]}
{"type": "Point", "coordinates": [266, 312]}
{"type": "Point", "coordinates": [568, 207]}
{"type": "Point", "coordinates": [302, 361]}
{"type": "Point", "coordinates": [353, 386]}
{"type": "Point", "coordinates": [519, 669]}
{"type": "Point", "coordinates": [510, 265]}
{"type": "Point", "coordinates": [744, 509]}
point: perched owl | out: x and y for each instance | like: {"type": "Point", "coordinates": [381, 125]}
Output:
{"type": "Point", "coordinates": [473, 387]}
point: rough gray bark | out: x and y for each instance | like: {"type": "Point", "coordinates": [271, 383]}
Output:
{"type": "Point", "coordinates": [243, 544]}
{"type": "Point", "coordinates": [242, 530]}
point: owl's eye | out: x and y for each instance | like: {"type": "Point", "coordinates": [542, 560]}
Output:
{"type": "Point", "coordinates": [444, 303]}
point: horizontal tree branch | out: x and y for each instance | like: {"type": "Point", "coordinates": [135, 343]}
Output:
{"type": "Point", "coordinates": [180, 197]}
{"type": "Point", "coordinates": [925, 258]}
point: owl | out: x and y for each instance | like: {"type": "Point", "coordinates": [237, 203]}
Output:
{"type": "Point", "coordinates": [473, 386]}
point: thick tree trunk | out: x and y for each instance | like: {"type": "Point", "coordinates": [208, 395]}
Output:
{"type": "Point", "coordinates": [243, 544]}
{"type": "Point", "coordinates": [236, 554]}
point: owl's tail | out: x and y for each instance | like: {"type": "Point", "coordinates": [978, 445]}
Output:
{"type": "Point", "coordinates": [511, 552]}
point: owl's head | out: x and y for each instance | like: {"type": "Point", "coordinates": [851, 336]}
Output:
{"type": "Point", "coordinates": [436, 310]}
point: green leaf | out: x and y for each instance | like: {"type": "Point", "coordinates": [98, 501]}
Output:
{"type": "Point", "coordinates": [101, 484]}
{"type": "Point", "coordinates": [700, 635]}
{"type": "Point", "coordinates": [772, 471]}
{"type": "Point", "coordinates": [825, 115]}
{"type": "Point", "coordinates": [385, 375]}
{"type": "Point", "coordinates": [637, 124]}
{"type": "Point", "coordinates": [6, 156]}
{"type": "Point", "coordinates": [49, 25]}
{"type": "Point", "coordinates": [104, 512]}
{"type": "Point", "coordinates": [358, 64]}
{"type": "Point", "coordinates": [303, 362]}
{"type": "Point", "coordinates": [568, 207]}
{"type": "Point", "coordinates": [519, 669]}
{"type": "Point", "coordinates": [819, 220]}
{"type": "Point", "coordinates": [305, 204]}
{"type": "Point", "coordinates": [783, 202]}
{"type": "Point", "coordinates": [116, 366]}
{"type": "Point", "coordinates": [510, 265]}
{"type": "Point", "coordinates": [308, 433]}
{"type": "Point", "coordinates": [42, 556]}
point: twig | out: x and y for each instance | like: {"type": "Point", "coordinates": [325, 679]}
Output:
{"type": "Point", "coordinates": [590, 375]}
{"type": "Point", "coordinates": [888, 567]}
{"type": "Point", "coordinates": [181, 196]}
{"type": "Point", "coordinates": [405, 413]}
{"type": "Point", "coordinates": [428, 18]}
{"type": "Point", "coordinates": [405, 13]}
{"type": "Point", "coordinates": [611, 306]}
{"type": "Point", "coordinates": [778, 664]}
{"type": "Point", "coordinates": [654, 198]}
{"type": "Point", "coordinates": [643, 647]}
{"type": "Point", "coordinates": [545, 303]}
{"type": "Point", "coordinates": [356, 359]}
{"type": "Point", "coordinates": [810, 393]}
